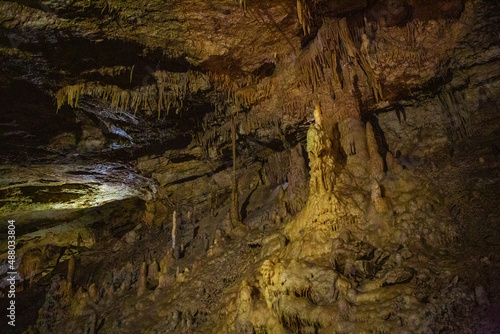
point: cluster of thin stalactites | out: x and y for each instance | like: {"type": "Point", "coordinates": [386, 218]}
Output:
{"type": "Point", "coordinates": [169, 92]}
{"type": "Point", "coordinates": [333, 47]}
{"type": "Point", "coordinates": [321, 64]}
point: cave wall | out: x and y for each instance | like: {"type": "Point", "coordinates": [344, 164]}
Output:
{"type": "Point", "coordinates": [252, 167]}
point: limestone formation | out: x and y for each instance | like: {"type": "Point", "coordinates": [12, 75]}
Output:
{"type": "Point", "coordinates": [174, 228]}
{"type": "Point", "coordinates": [142, 283]}
{"type": "Point", "coordinates": [250, 167]}
{"type": "Point", "coordinates": [93, 293]}
{"type": "Point", "coordinates": [153, 271]}
{"type": "Point", "coordinates": [30, 265]}
{"type": "Point", "coordinates": [71, 269]}
{"type": "Point", "coordinates": [393, 165]}
{"type": "Point", "coordinates": [378, 201]}
{"type": "Point", "coordinates": [376, 161]}
{"type": "Point", "coordinates": [321, 161]}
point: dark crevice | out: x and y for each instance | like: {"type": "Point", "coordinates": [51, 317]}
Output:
{"type": "Point", "coordinates": [194, 177]}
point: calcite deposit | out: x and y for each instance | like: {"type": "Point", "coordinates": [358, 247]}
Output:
{"type": "Point", "coordinates": [250, 166]}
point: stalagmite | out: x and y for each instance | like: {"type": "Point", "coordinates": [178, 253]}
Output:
{"type": "Point", "coordinates": [393, 164]}
{"type": "Point", "coordinates": [318, 118]}
{"type": "Point", "coordinates": [376, 161]}
{"type": "Point", "coordinates": [153, 271]}
{"type": "Point", "coordinates": [165, 280]}
{"type": "Point", "coordinates": [71, 269]}
{"type": "Point", "coordinates": [174, 228]}
{"type": "Point", "coordinates": [30, 265]}
{"type": "Point", "coordinates": [92, 324]}
{"type": "Point", "coordinates": [297, 180]}
{"type": "Point", "coordinates": [321, 162]}
{"type": "Point", "coordinates": [166, 262]}
{"type": "Point", "coordinates": [378, 201]}
{"type": "Point", "coordinates": [481, 296]}
{"type": "Point", "coordinates": [245, 299]}
{"type": "Point", "coordinates": [206, 242]}
{"type": "Point", "coordinates": [142, 279]}
{"type": "Point", "coordinates": [350, 126]}
{"type": "Point", "coordinates": [93, 293]}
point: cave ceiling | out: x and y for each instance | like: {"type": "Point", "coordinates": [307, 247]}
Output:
{"type": "Point", "coordinates": [251, 51]}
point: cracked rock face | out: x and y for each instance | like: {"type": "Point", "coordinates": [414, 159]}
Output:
{"type": "Point", "coordinates": [251, 167]}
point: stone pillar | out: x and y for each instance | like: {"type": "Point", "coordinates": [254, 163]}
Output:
{"type": "Point", "coordinates": [321, 162]}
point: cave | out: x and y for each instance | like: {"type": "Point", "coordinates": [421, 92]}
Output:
{"type": "Point", "coordinates": [309, 166]}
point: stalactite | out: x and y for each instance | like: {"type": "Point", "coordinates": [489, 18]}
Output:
{"type": "Point", "coordinates": [235, 207]}
{"type": "Point", "coordinates": [334, 44]}
{"type": "Point", "coordinates": [297, 108]}
{"type": "Point", "coordinates": [243, 5]}
{"type": "Point", "coordinates": [169, 92]}
{"type": "Point", "coordinates": [304, 16]}
{"type": "Point", "coordinates": [277, 168]}
{"type": "Point", "coordinates": [250, 94]}
{"type": "Point", "coordinates": [223, 83]}
{"type": "Point", "coordinates": [118, 98]}
{"type": "Point", "coordinates": [408, 50]}
{"type": "Point", "coordinates": [455, 110]}
{"type": "Point", "coordinates": [174, 228]}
